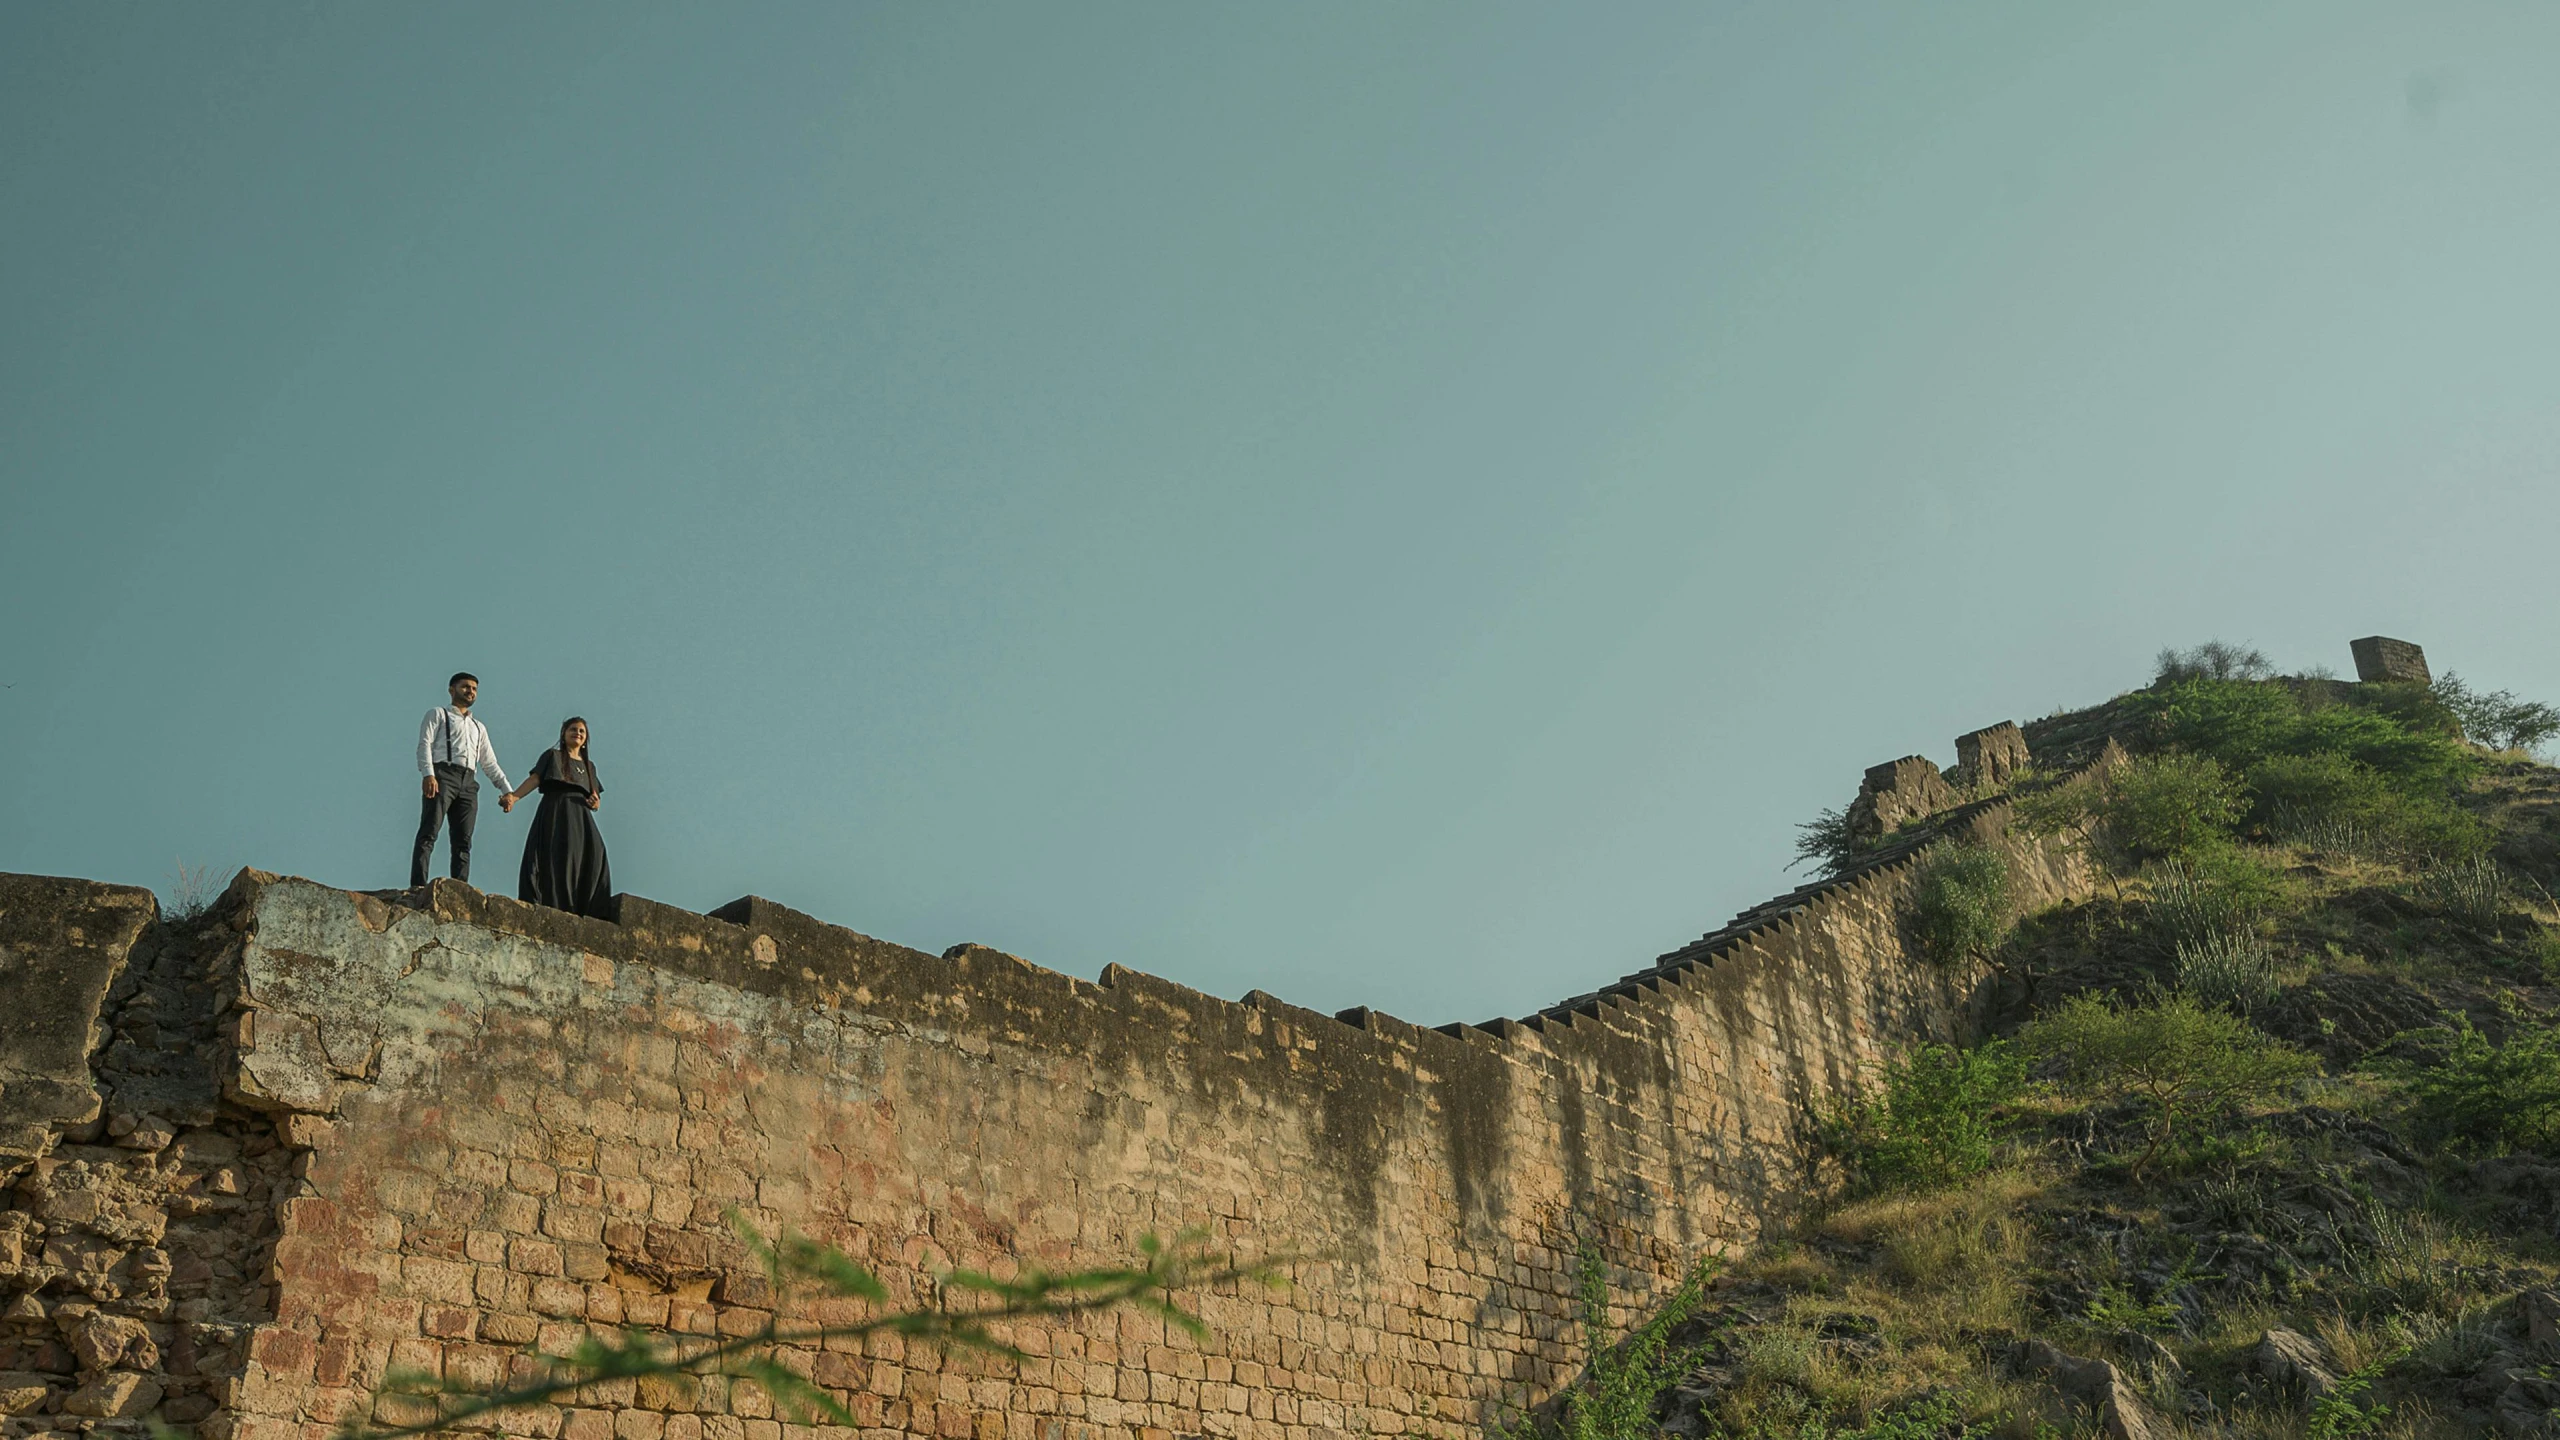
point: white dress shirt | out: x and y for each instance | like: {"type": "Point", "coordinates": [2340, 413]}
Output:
{"type": "Point", "coordinates": [452, 737]}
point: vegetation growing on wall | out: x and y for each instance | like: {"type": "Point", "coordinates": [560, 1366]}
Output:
{"type": "Point", "coordinates": [1932, 1120]}
{"type": "Point", "coordinates": [1960, 902]}
{"type": "Point", "coordinates": [2271, 1147]}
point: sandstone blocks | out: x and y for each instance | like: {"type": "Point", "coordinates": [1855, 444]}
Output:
{"type": "Point", "coordinates": [2382, 660]}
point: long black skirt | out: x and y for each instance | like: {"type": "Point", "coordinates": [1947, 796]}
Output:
{"type": "Point", "coordinates": [564, 865]}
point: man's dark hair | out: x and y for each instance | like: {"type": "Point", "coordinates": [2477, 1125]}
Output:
{"type": "Point", "coordinates": [459, 676]}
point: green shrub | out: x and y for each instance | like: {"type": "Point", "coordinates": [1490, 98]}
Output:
{"type": "Point", "coordinates": [2331, 802]}
{"type": "Point", "coordinates": [2346, 1410]}
{"type": "Point", "coordinates": [2400, 732]}
{"type": "Point", "coordinates": [2182, 1058]}
{"type": "Point", "coordinates": [2234, 722]}
{"type": "Point", "coordinates": [1828, 843]}
{"type": "Point", "coordinates": [2397, 730]}
{"type": "Point", "coordinates": [2066, 808]}
{"type": "Point", "coordinates": [2232, 969]}
{"type": "Point", "coordinates": [2497, 719]}
{"type": "Point", "coordinates": [1933, 1121]}
{"type": "Point", "coordinates": [2305, 788]}
{"type": "Point", "coordinates": [2415, 708]}
{"type": "Point", "coordinates": [2213, 890]}
{"type": "Point", "coordinates": [2542, 946]}
{"type": "Point", "coordinates": [1616, 1396]}
{"type": "Point", "coordinates": [2472, 891]}
{"type": "Point", "coordinates": [2487, 1098]}
{"type": "Point", "coordinates": [2116, 1308]}
{"type": "Point", "coordinates": [1960, 902]}
{"type": "Point", "coordinates": [2168, 804]}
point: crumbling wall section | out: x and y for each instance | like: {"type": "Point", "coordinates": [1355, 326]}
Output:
{"type": "Point", "coordinates": [137, 1238]}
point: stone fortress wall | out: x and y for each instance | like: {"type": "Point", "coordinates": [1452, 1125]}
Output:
{"type": "Point", "coordinates": [261, 1157]}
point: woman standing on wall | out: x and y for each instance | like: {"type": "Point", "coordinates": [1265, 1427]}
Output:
{"type": "Point", "coordinates": [564, 865]}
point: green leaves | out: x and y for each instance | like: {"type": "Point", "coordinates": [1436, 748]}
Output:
{"type": "Point", "coordinates": [2169, 804]}
{"type": "Point", "coordinates": [2486, 1098]}
{"type": "Point", "coordinates": [2184, 1058]}
{"type": "Point", "coordinates": [1934, 1119]}
{"type": "Point", "coordinates": [971, 1304]}
{"type": "Point", "coordinates": [1960, 902]}
{"type": "Point", "coordinates": [1615, 1397]}
{"type": "Point", "coordinates": [2400, 732]}
{"type": "Point", "coordinates": [799, 1258]}
{"type": "Point", "coordinates": [2497, 718]}
{"type": "Point", "coordinates": [793, 1393]}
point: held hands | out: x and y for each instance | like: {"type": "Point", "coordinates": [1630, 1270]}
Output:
{"type": "Point", "coordinates": [507, 801]}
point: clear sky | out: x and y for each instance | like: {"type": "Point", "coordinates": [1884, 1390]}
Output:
{"type": "Point", "coordinates": [1391, 504]}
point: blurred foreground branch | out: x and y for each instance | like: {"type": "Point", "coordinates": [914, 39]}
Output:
{"type": "Point", "coordinates": [970, 1305]}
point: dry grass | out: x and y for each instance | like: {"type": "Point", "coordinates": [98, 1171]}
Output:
{"type": "Point", "coordinates": [1948, 1266]}
{"type": "Point", "coordinates": [1900, 1295]}
{"type": "Point", "coordinates": [2001, 1190]}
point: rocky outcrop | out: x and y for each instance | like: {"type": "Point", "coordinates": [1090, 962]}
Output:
{"type": "Point", "coordinates": [62, 944]}
{"type": "Point", "coordinates": [137, 1241]}
{"type": "Point", "coordinates": [1897, 793]}
{"type": "Point", "coordinates": [2118, 1407]}
{"type": "Point", "coordinates": [1990, 758]}
{"type": "Point", "coordinates": [2295, 1363]}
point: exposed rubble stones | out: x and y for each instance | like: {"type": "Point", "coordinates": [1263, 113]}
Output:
{"type": "Point", "coordinates": [2119, 1408]}
{"type": "Point", "coordinates": [1897, 793]}
{"type": "Point", "coordinates": [2296, 1363]}
{"type": "Point", "coordinates": [136, 1243]}
{"type": "Point", "coordinates": [1990, 758]}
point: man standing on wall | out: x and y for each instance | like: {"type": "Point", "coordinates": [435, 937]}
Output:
{"type": "Point", "coordinates": [453, 752]}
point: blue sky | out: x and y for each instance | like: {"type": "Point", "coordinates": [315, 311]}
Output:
{"type": "Point", "coordinates": [1395, 505]}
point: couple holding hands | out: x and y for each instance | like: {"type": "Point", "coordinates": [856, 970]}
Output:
{"type": "Point", "coordinates": [564, 864]}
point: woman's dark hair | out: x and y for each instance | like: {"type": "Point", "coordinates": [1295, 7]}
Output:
{"type": "Point", "coordinates": [590, 756]}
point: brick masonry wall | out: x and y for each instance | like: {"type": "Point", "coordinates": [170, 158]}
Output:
{"type": "Point", "coordinates": [450, 1127]}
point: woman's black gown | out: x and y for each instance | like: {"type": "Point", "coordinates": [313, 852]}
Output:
{"type": "Point", "coordinates": [564, 865]}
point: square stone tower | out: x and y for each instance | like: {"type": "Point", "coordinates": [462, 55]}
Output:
{"type": "Point", "coordinates": [2379, 658]}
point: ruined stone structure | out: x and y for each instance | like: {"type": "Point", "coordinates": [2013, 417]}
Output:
{"type": "Point", "coordinates": [2382, 659]}
{"type": "Point", "coordinates": [261, 1157]}
{"type": "Point", "coordinates": [1989, 758]}
{"type": "Point", "coordinates": [1896, 793]}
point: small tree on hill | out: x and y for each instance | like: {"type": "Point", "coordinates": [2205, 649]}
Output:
{"type": "Point", "coordinates": [2212, 660]}
{"type": "Point", "coordinates": [2168, 804]}
{"type": "Point", "coordinates": [2497, 719]}
{"type": "Point", "coordinates": [1960, 902]}
{"type": "Point", "coordinates": [2184, 1059]}
{"type": "Point", "coordinates": [1932, 1122]}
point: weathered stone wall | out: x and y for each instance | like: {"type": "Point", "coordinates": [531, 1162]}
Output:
{"type": "Point", "coordinates": [138, 1235]}
{"type": "Point", "coordinates": [345, 1133]}
{"type": "Point", "coordinates": [2383, 660]}
{"type": "Point", "coordinates": [1896, 793]}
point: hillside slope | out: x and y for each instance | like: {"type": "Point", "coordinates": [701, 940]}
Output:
{"type": "Point", "coordinates": [2263, 1145]}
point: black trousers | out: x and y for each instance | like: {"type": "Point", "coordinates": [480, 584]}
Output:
{"type": "Point", "coordinates": [456, 804]}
